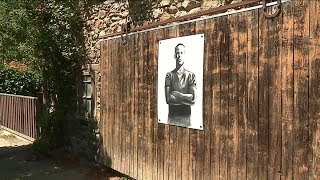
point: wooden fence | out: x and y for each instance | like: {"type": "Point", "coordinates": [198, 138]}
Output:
{"type": "Point", "coordinates": [261, 100]}
{"type": "Point", "coordinates": [19, 113]}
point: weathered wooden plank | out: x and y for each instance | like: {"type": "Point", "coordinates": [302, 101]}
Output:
{"type": "Point", "coordinates": [148, 127]}
{"type": "Point", "coordinates": [172, 135]}
{"type": "Point", "coordinates": [301, 90]}
{"type": "Point", "coordinates": [207, 108]}
{"type": "Point", "coordinates": [200, 147]}
{"type": "Point", "coordinates": [126, 107]}
{"type": "Point", "coordinates": [225, 75]}
{"type": "Point", "coordinates": [162, 130]}
{"type": "Point", "coordinates": [154, 115]}
{"type": "Point", "coordinates": [263, 89]}
{"type": "Point", "coordinates": [153, 58]}
{"type": "Point", "coordinates": [136, 102]}
{"type": "Point", "coordinates": [242, 93]}
{"type": "Point", "coordinates": [216, 99]}
{"type": "Point", "coordinates": [106, 106]}
{"type": "Point", "coordinates": [131, 89]}
{"type": "Point", "coordinates": [103, 67]}
{"type": "Point", "coordinates": [117, 103]}
{"type": "Point", "coordinates": [287, 91]}
{"type": "Point", "coordinates": [274, 78]}
{"type": "Point", "coordinates": [233, 98]}
{"type": "Point", "coordinates": [314, 100]}
{"type": "Point", "coordinates": [193, 139]}
{"type": "Point", "coordinates": [140, 106]}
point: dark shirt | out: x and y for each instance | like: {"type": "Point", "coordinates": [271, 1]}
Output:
{"type": "Point", "coordinates": [183, 82]}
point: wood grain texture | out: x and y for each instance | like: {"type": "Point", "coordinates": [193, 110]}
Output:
{"type": "Point", "coordinates": [263, 97]}
{"type": "Point", "coordinates": [287, 92]}
{"type": "Point", "coordinates": [260, 100]}
{"type": "Point", "coordinates": [274, 78]}
{"type": "Point", "coordinates": [301, 90]}
{"type": "Point", "coordinates": [242, 97]}
{"type": "Point", "coordinates": [314, 86]}
{"type": "Point", "coordinates": [252, 90]}
{"type": "Point", "coordinates": [233, 98]}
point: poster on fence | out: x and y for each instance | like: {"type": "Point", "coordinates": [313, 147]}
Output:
{"type": "Point", "coordinates": [180, 81]}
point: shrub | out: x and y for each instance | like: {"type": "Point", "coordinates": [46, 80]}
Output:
{"type": "Point", "coordinates": [21, 82]}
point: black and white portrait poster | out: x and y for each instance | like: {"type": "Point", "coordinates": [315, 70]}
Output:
{"type": "Point", "coordinates": [180, 81]}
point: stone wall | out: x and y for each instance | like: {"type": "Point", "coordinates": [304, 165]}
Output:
{"type": "Point", "coordinates": [108, 16]}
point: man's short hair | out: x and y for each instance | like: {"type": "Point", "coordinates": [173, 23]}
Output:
{"type": "Point", "coordinates": [180, 44]}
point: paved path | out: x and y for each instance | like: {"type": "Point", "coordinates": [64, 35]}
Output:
{"type": "Point", "coordinates": [16, 163]}
{"type": "Point", "coordinates": [8, 139]}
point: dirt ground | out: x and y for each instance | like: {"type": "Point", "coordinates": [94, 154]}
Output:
{"type": "Point", "coordinates": [16, 162]}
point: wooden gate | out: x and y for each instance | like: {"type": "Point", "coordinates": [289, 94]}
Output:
{"type": "Point", "coordinates": [18, 114]}
{"type": "Point", "coordinates": [261, 100]}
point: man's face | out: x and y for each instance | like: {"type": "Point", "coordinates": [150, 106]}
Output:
{"type": "Point", "coordinates": [179, 54]}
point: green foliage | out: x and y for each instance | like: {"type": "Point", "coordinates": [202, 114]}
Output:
{"type": "Point", "coordinates": [141, 11]}
{"type": "Point", "coordinates": [17, 35]}
{"type": "Point", "coordinates": [51, 41]}
{"type": "Point", "coordinates": [60, 49]}
{"type": "Point", "coordinates": [19, 82]}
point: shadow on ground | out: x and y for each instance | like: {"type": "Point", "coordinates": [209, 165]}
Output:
{"type": "Point", "coordinates": [18, 163]}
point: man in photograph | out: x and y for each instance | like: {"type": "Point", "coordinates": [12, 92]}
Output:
{"type": "Point", "coordinates": [180, 90]}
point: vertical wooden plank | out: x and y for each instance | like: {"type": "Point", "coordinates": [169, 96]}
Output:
{"type": "Point", "coordinates": [123, 107]}
{"type": "Point", "coordinates": [184, 30]}
{"type": "Point", "coordinates": [140, 106]}
{"type": "Point", "coordinates": [242, 91]}
{"type": "Point", "coordinates": [162, 129]}
{"type": "Point", "coordinates": [156, 37]}
{"type": "Point", "coordinates": [274, 78]}
{"type": "Point", "coordinates": [135, 109]}
{"type": "Point", "coordinates": [233, 98]}
{"type": "Point", "coordinates": [193, 139]}
{"type": "Point", "coordinates": [103, 67]}
{"type": "Point", "coordinates": [119, 103]}
{"type": "Point", "coordinates": [208, 109]}
{"type": "Point", "coordinates": [252, 79]}
{"type": "Point", "coordinates": [113, 108]}
{"type": "Point", "coordinates": [200, 146]}
{"type": "Point", "coordinates": [224, 95]}
{"type": "Point", "coordinates": [129, 103]}
{"type": "Point", "coordinates": [107, 102]}
{"type": "Point", "coordinates": [287, 91]}
{"type": "Point", "coordinates": [148, 128]}
{"type": "Point", "coordinates": [152, 95]}
{"type": "Point", "coordinates": [263, 89]}
{"type": "Point", "coordinates": [301, 91]}
{"type": "Point", "coordinates": [216, 98]}
{"type": "Point", "coordinates": [172, 136]}
{"type": "Point", "coordinates": [314, 88]}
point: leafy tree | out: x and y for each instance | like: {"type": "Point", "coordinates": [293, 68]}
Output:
{"type": "Point", "coordinates": [47, 35]}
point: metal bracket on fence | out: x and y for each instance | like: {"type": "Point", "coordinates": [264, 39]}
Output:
{"type": "Point", "coordinates": [125, 30]}
{"type": "Point", "coordinates": [275, 14]}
